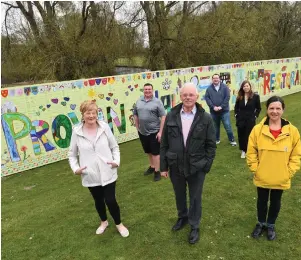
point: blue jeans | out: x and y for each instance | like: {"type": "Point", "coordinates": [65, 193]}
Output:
{"type": "Point", "coordinates": [225, 118]}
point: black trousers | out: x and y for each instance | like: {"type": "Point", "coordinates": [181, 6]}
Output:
{"type": "Point", "coordinates": [195, 186]}
{"type": "Point", "coordinates": [105, 195]}
{"type": "Point", "coordinates": [265, 214]}
{"type": "Point", "coordinates": [243, 133]}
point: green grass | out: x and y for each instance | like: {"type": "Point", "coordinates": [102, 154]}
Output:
{"type": "Point", "coordinates": [47, 214]}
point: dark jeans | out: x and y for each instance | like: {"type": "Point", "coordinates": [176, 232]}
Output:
{"type": "Point", "coordinates": [262, 205]}
{"type": "Point", "coordinates": [195, 186]}
{"type": "Point", "coordinates": [225, 118]}
{"type": "Point", "coordinates": [243, 135]}
{"type": "Point", "coordinates": [105, 195]}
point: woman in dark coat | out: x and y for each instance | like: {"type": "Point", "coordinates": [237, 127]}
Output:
{"type": "Point", "coordinates": [247, 109]}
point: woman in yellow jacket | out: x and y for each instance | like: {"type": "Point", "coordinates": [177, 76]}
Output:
{"type": "Point", "coordinates": [273, 155]}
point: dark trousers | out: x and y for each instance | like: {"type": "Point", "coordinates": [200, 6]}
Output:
{"type": "Point", "coordinates": [105, 195]}
{"type": "Point", "coordinates": [195, 186]}
{"type": "Point", "coordinates": [243, 135]}
{"type": "Point", "coordinates": [264, 214]}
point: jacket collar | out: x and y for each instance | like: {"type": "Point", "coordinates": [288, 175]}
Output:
{"type": "Point", "coordinates": [78, 129]}
{"type": "Point", "coordinates": [284, 122]}
{"type": "Point", "coordinates": [177, 109]}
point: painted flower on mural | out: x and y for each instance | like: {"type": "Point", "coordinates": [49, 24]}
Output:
{"type": "Point", "coordinates": [8, 107]}
{"type": "Point", "coordinates": [23, 149]}
{"type": "Point", "coordinates": [166, 84]}
{"type": "Point", "coordinates": [91, 93]}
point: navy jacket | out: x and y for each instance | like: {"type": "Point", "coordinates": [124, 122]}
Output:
{"type": "Point", "coordinates": [218, 98]}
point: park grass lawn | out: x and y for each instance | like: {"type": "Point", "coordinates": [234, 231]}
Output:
{"type": "Point", "coordinates": [47, 214]}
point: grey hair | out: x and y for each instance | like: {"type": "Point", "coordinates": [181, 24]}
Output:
{"type": "Point", "coordinates": [189, 84]}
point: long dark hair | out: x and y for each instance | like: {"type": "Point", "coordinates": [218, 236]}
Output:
{"type": "Point", "coordinates": [241, 92]}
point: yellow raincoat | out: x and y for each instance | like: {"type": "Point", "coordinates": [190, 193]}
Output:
{"type": "Point", "coordinates": [274, 161]}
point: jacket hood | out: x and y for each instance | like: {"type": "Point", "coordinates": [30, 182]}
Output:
{"type": "Point", "coordinates": [265, 121]}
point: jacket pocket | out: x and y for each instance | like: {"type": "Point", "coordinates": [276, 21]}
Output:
{"type": "Point", "coordinates": [198, 132]}
{"type": "Point", "coordinates": [172, 160]}
{"type": "Point", "coordinates": [269, 173]}
{"type": "Point", "coordinates": [198, 163]}
{"type": "Point", "coordinates": [173, 130]}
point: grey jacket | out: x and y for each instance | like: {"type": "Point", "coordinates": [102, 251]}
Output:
{"type": "Point", "coordinates": [218, 98]}
{"type": "Point", "coordinates": [200, 148]}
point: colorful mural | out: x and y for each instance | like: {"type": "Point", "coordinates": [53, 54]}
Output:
{"type": "Point", "coordinates": [37, 120]}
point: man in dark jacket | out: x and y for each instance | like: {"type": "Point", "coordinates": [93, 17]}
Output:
{"type": "Point", "coordinates": [187, 151]}
{"type": "Point", "coordinates": [217, 98]}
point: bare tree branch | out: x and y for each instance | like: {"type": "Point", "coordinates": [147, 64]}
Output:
{"type": "Point", "coordinates": [10, 5]}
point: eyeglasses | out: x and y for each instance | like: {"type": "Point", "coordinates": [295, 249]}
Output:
{"type": "Point", "coordinates": [188, 95]}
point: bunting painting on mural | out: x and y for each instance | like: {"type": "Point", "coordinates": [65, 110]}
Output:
{"type": "Point", "coordinates": [37, 120]}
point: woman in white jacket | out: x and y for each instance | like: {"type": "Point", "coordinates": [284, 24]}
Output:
{"type": "Point", "coordinates": [95, 145]}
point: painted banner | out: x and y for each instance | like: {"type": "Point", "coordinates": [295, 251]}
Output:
{"type": "Point", "coordinates": [37, 120]}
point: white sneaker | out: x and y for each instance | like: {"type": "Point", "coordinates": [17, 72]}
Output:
{"type": "Point", "coordinates": [123, 231]}
{"type": "Point", "coordinates": [102, 228]}
{"type": "Point", "coordinates": [233, 143]}
{"type": "Point", "coordinates": [218, 142]}
{"type": "Point", "coordinates": [243, 155]}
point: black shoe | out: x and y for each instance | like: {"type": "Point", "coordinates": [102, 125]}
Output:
{"type": "Point", "coordinates": [157, 176]}
{"type": "Point", "coordinates": [271, 233]}
{"type": "Point", "coordinates": [149, 171]}
{"type": "Point", "coordinates": [194, 235]}
{"type": "Point", "coordinates": [258, 230]}
{"type": "Point", "coordinates": [181, 222]}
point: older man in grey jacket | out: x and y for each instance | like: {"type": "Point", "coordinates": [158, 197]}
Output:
{"type": "Point", "coordinates": [187, 151]}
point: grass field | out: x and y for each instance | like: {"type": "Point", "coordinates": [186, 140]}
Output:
{"type": "Point", "coordinates": [47, 214]}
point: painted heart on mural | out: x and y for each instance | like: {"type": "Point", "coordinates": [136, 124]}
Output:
{"type": "Point", "coordinates": [38, 113]}
{"type": "Point", "coordinates": [101, 96]}
{"type": "Point", "coordinates": [108, 98]}
{"type": "Point", "coordinates": [104, 81]}
{"type": "Point", "coordinates": [19, 92]}
{"type": "Point", "coordinates": [73, 106]}
{"type": "Point", "coordinates": [66, 98]}
{"type": "Point", "coordinates": [11, 92]}
{"type": "Point", "coordinates": [144, 76]}
{"type": "Point", "coordinates": [110, 94]}
{"type": "Point", "coordinates": [4, 93]}
{"type": "Point", "coordinates": [98, 81]}
{"type": "Point", "coordinates": [34, 90]}
{"type": "Point", "coordinates": [55, 100]}
{"type": "Point", "coordinates": [86, 83]}
{"type": "Point", "coordinates": [126, 93]}
{"type": "Point", "coordinates": [43, 109]}
{"type": "Point", "coordinates": [136, 86]}
{"type": "Point", "coordinates": [111, 80]}
{"type": "Point", "coordinates": [91, 82]}
{"type": "Point", "coordinates": [27, 91]}
{"type": "Point", "coordinates": [63, 103]}
{"type": "Point", "coordinates": [129, 78]}
{"type": "Point", "coordinates": [115, 101]}
{"type": "Point", "coordinates": [48, 106]}
{"type": "Point", "coordinates": [40, 107]}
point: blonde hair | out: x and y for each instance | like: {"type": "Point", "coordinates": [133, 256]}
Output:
{"type": "Point", "coordinates": [87, 105]}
